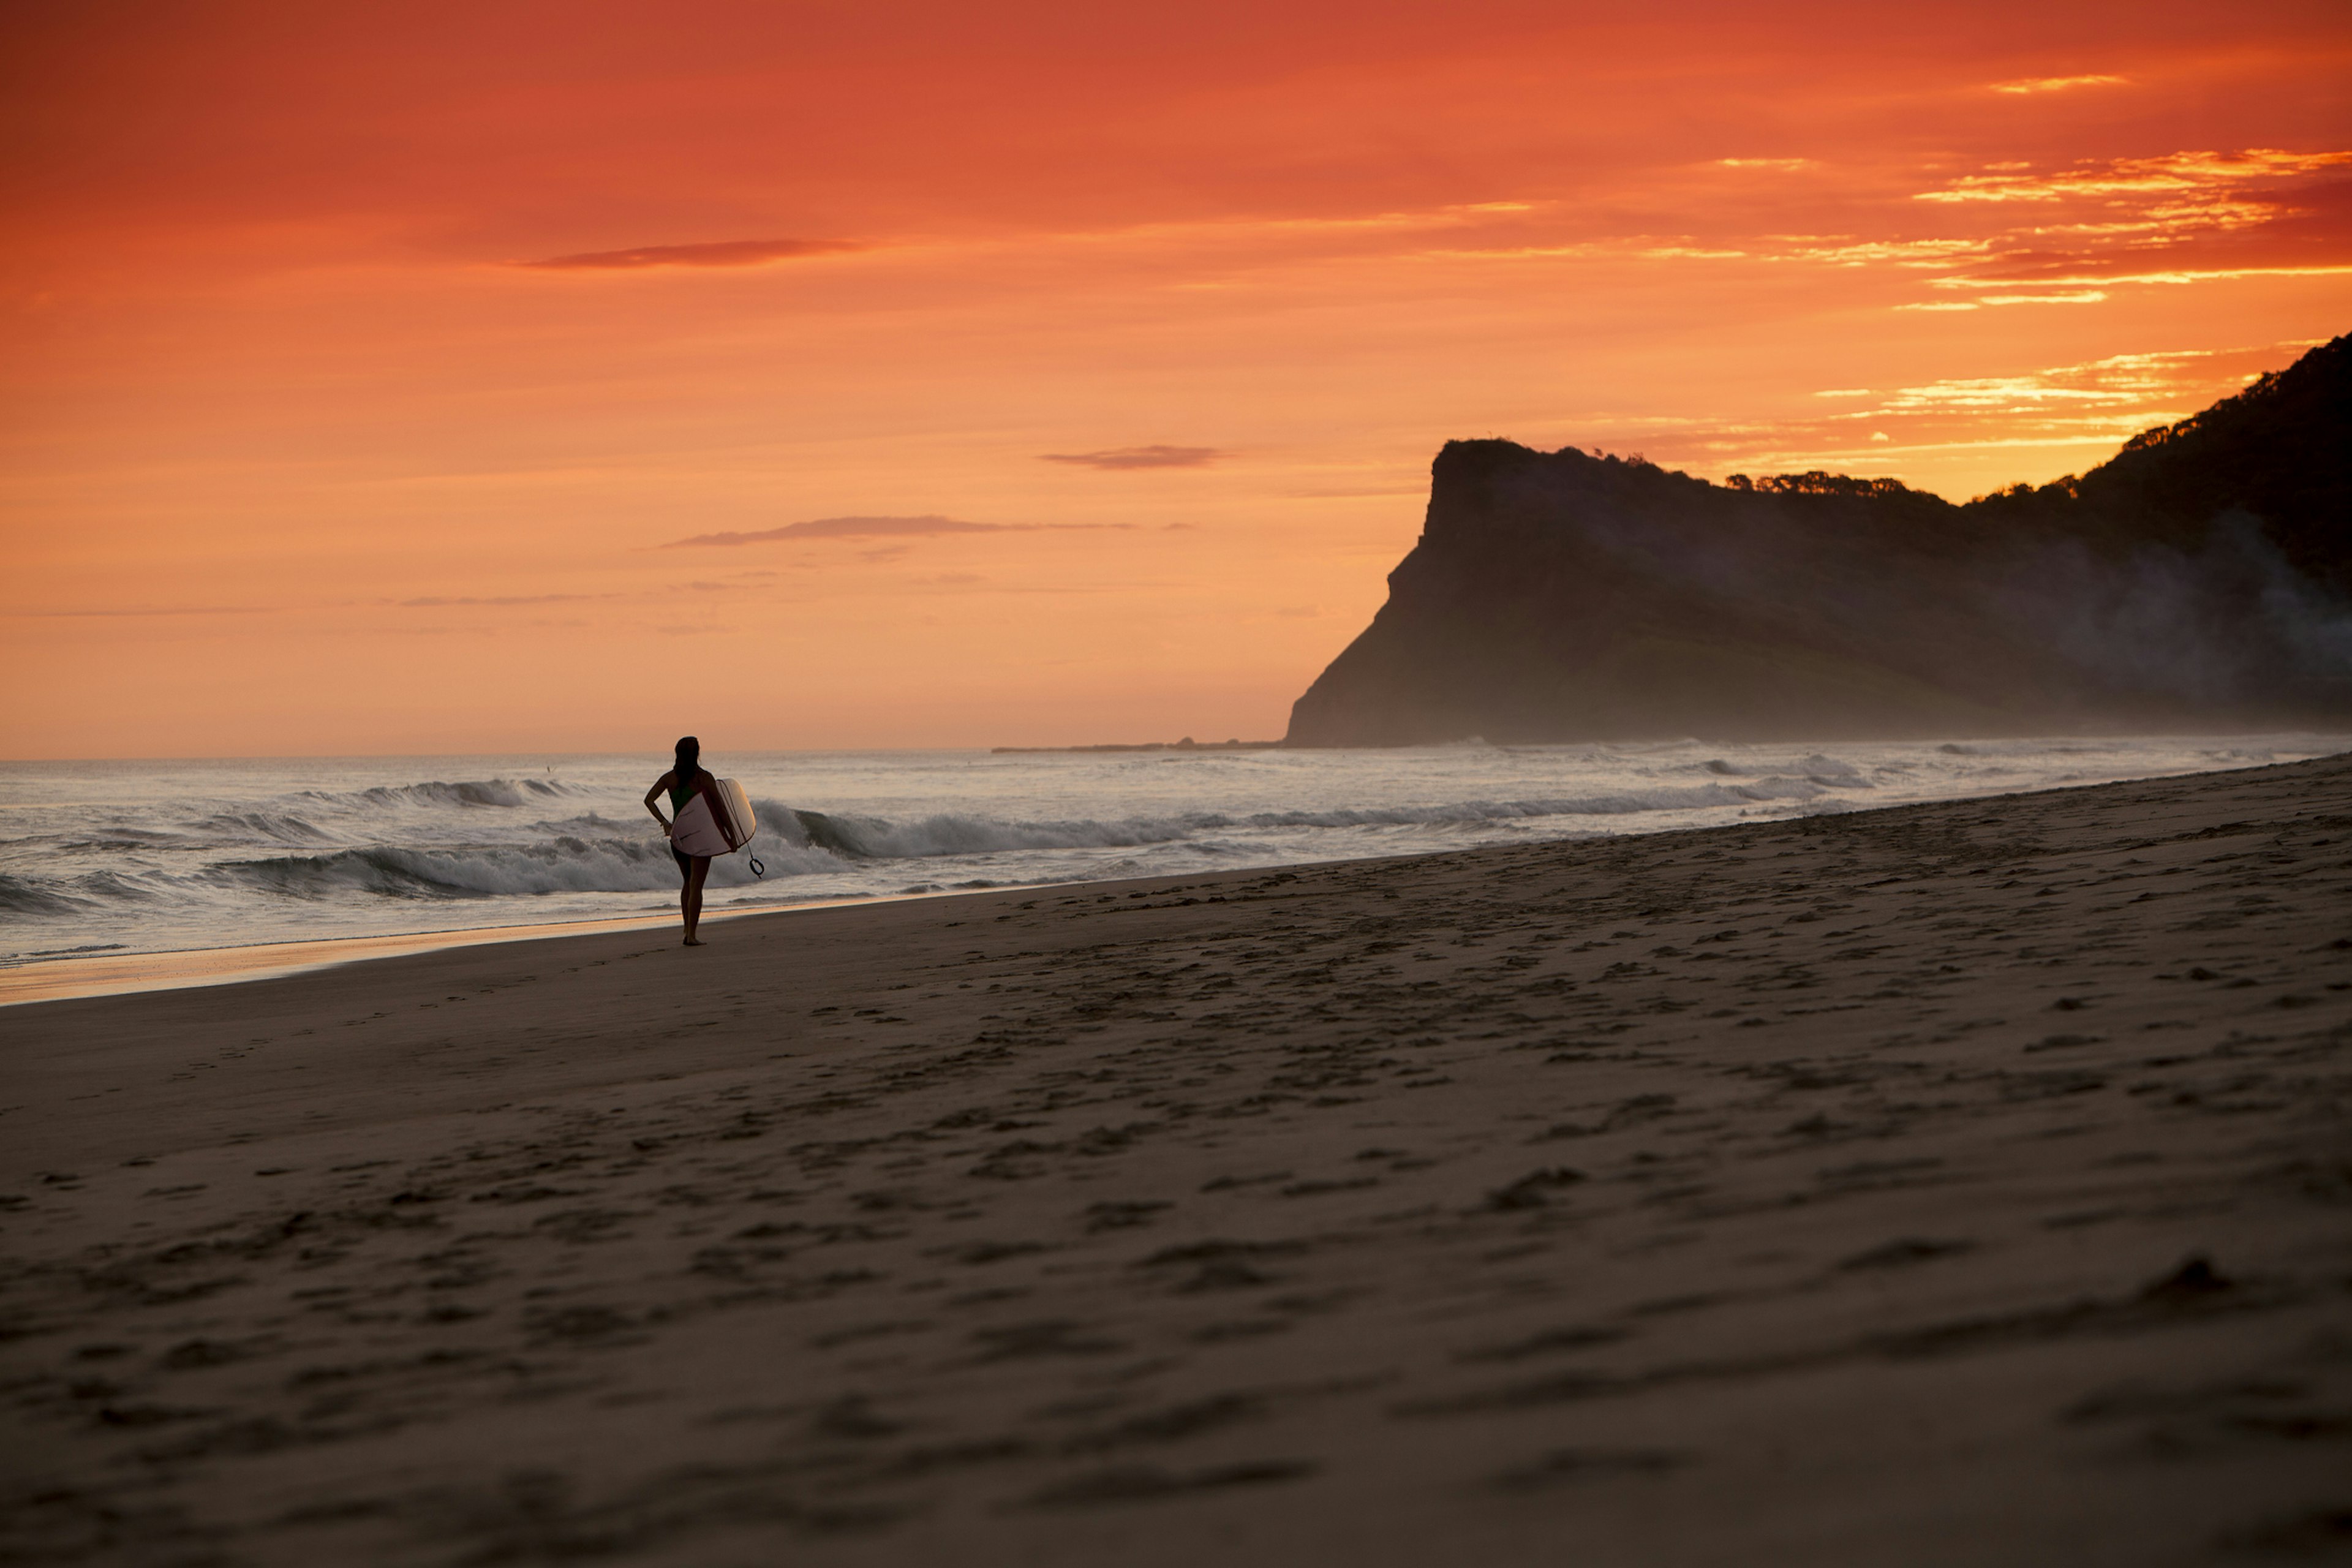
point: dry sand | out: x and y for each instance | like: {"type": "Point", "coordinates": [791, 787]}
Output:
{"type": "Point", "coordinates": [1960, 1183]}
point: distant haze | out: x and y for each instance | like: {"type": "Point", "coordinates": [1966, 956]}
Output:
{"type": "Point", "coordinates": [505, 375]}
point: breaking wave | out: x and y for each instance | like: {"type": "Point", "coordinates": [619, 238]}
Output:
{"type": "Point", "coordinates": [468, 793]}
{"type": "Point", "coordinates": [19, 897]}
{"type": "Point", "coordinates": [564, 865]}
{"type": "Point", "coordinates": [284, 827]}
{"type": "Point", "coordinates": [591, 854]}
{"type": "Point", "coordinates": [875, 838]}
{"type": "Point", "coordinates": [169, 857]}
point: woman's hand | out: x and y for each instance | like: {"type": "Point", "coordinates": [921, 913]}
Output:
{"type": "Point", "coordinates": [654, 795]}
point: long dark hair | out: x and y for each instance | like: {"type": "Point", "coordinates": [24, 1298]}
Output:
{"type": "Point", "coordinates": [690, 762]}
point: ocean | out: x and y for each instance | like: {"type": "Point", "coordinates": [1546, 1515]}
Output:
{"type": "Point", "coordinates": [118, 858]}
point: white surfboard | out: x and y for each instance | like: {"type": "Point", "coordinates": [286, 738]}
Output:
{"type": "Point", "coordinates": [717, 821]}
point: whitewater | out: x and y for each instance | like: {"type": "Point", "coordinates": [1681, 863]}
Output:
{"type": "Point", "coordinates": [115, 857]}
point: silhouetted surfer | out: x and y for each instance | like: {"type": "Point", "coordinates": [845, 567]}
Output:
{"type": "Point", "coordinates": [682, 782]}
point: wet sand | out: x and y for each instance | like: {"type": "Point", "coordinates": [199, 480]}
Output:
{"type": "Point", "coordinates": [115, 975]}
{"type": "Point", "coordinates": [1958, 1184]}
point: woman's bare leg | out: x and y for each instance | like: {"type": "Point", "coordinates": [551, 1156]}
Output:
{"type": "Point", "coordinates": [690, 901]}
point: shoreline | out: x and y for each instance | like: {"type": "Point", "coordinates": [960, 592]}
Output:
{"type": "Point", "coordinates": [61, 976]}
{"type": "Point", "coordinates": [1787, 1189]}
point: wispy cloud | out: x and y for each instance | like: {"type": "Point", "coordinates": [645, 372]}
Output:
{"type": "Point", "coordinates": [2071, 234]}
{"type": "Point", "coordinates": [2070, 297]}
{"type": "Point", "coordinates": [2175, 274]}
{"type": "Point", "coordinates": [2173, 174]}
{"type": "Point", "coordinates": [2075, 413]}
{"type": "Point", "coordinates": [2015, 233]}
{"type": "Point", "coordinates": [723, 253]}
{"type": "Point", "coordinates": [1140, 457]}
{"type": "Point", "coordinates": [439, 603]}
{"type": "Point", "coordinates": [2138, 386]}
{"type": "Point", "coordinates": [2057, 83]}
{"type": "Point", "coordinates": [847, 528]}
{"type": "Point", "coordinates": [159, 610]}
{"type": "Point", "coordinates": [883, 528]}
{"type": "Point", "coordinates": [1838, 251]}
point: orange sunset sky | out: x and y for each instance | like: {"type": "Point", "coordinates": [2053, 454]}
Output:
{"type": "Point", "coordinates": [556, 377]}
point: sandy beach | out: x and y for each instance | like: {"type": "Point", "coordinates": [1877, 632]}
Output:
{"type": "Point", "coordinates": [1958, 1183]}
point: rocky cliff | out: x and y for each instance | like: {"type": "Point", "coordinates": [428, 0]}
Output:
{"type": "Point", "coordinates": [2203, 577]}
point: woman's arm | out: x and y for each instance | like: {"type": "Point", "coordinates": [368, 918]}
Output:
{"type": "Point", "coordinates": [661, 787]}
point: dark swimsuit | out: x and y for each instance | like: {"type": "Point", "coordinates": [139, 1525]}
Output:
{"type": "Point", "coordinates": [678, 799]}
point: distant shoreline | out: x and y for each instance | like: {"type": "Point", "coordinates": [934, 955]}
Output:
{"type": "Point", "coordinates": [267, 961]}
{"type": "Point", "coordinates": [93, 973]}
{"type": "Point", "coordinates": [1186, 744]}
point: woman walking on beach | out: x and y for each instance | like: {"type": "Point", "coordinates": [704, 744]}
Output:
{"type": "Point", "coordinates": [681, 783]}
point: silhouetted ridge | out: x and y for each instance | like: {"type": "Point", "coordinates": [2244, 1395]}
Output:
{"type": "Point", "coordinates": [2281, 450]}
{"type": "Point", "coordinates": [2200, 577]}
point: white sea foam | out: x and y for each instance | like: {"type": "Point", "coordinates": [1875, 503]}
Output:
{"type": "Point", "coordinates": [152, 855]}
{"type": "Point", "coordinates": [490, 792]}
